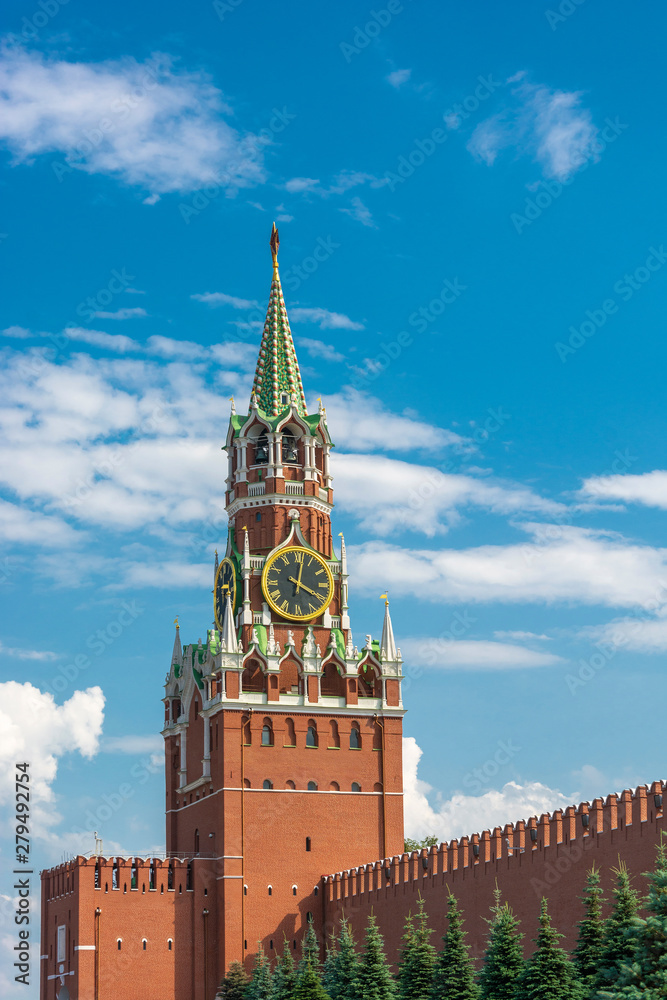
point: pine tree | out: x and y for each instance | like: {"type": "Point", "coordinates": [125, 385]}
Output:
{"type": "Point", "coordinates": [329, 973]}
{"type": "Point", "coordinates": [309, 986]}
{"type": "Point", "coordinates": [549, 974]}
{"type": "Point", "coordinates": [260, 986]}
{"type": "Point", "coordinates": [234, 984]}
{"type": "Point", "coordinates": [415, 978]}
{"type": "Point", "coordinates": [284, 978]}
{"type": "Point", "coordinates": [310, 952]}
{"type": "Point", "coordinates": [375, 979]}
{"type": "Point", "coordinates": [347, 965]}
{"type": "Point", "coordinates": [588, 953]}
{"type": "Point", "coordinates": [454, 977]}
{"type": "Point", "coordinates": [619, 943]}
{"type": "Point", "coordinates": [503, 959]}
{"type": "Point", "coordinates": [646, 978]}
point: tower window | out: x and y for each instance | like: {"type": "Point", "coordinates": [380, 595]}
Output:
{"type": "Point", "coordinates": [284, 398]}
{"type": "Point", "coordinates": [119, 944]}
{"type": "Point", "coordinates": [307, 843]}
{"type": "Point", "coordinates": [267, 785]}
{"type": "Point", "coordinates": [262, 450]}
{"type": "Point", "coordinates": [294, 890]}
{"type": "Point", "coordinates": [355, 737]}
{"type": "Point", "coordinates": [312, 786]}
{"type": "Point", "coordinates": [258, 516]}
{"type": "Point", "coordinates": [270, 890]}
{"type": "Point", "coordinates": [289, 449]}
{"type": "Point", "coordinates": [356, 787]}
{"type": "Point", "coordinates": [143, 944]}
{"type": "Point", "coordinates": [267, 734]}
{"type": "Point", "coordinates": [311, 737]}
{"type": "Point", "coordinates": [169, 943]}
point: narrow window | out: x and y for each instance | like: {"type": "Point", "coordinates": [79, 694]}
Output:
{"type": "Point", "coordinates": [356, 787]}
{"type": "Point", "coordinates": [307, 843]}
{"type": "Point", "coordinates": [267, 784]}
{"type": "Point", "coordinates": [258, 516]}
{"type": "Point", "coordinates": [311, 738]}
{"type": "Point", "coordinates": [312, 786]}
{"type": "Point", "coordinates": [169, 944]}
{"type": "Point", "coordinates": [267, 734]}
{"type": "Point", "coordinates": [294, 890]}
{"type": "Point", "coordinates": [355, 737]}
{"type": "Point", "coordinates": [119, 944]}
{"type": "Point", "coordinates": [270, 890]}
{"type": "Point", "coordinates": [196, 848]}
{"type": "Point", "coordinates": [143, 944]}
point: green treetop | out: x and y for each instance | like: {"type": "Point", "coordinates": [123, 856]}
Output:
{"type": "Point", "coordinates": [310, 952]}
{"type": "Point", "coordinates": [503, 959]}
{"type": "Point", "coordinates": [588, 953]}
{"type": "Point", "coordinates": [375, 979]}
{"type": "Point", "coordinates": [329, 978]}
{"type": "Point", "coordinates": [454, 974]}
{"type": "Point", "coordinates": [284, 977]}
{"type": "Point", "coordinates": [309, 986]}
{"type": "Point", "coordinates": [415, 979]}
{"type": "Point", "coordinates": [347, 966]}
{"type": "Point", "coordinates": [260, 986]}
{"type": "Point", "coordinates": [234, 984]}
{"type": "Point", "coordinates": [549, 974]}
{"type": "Point", "coordinates": [619, 943]}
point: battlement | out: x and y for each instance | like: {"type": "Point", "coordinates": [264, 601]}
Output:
{"type": "Point", "coordinates": [119, 874]}
{"type": "Point", "coordinates": [585, 823]}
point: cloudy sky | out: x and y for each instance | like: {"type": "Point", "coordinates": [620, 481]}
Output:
{"type": "Point", "coordinates": [470, 208]}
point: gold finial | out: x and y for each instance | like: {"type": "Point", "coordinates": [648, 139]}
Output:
{"type": "Point", "coordinates": [384, 597]}
{"type": "Point", "coordinates": [274, 243]}
{"type": "Point", "coordinates": [244, 528]}
{"type": "Point", "coordinates": [176, 622]}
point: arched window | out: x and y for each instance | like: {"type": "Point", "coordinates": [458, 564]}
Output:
{"type": "Point", "coordinates": [355, 737]}
{"type": "Point", "coordinates": [312, 786]}
{"type": "Point", "coordinates": [267, 784]}
{"type": "Point", "coordinates": [267, 733]}
{"type": "Point", "coordinates": [270, 890]}
{"type": "Point", "coordinates": [246, 783]}
{"type": "Point", "coordinates": [290, 784]}
{"type": "Point", "coordinates": [290, 734]}
{"type": "Point", "coordinates": [311, 737]}
{"type": "Point", "coordinates": [143, 943]}
{"type": "Point", "coordinates": [196, 841]}
{"type": "Point", "coordinates": [356, 787]}
{"type": "Point", "coordinates": [294, 890]}
{"type": "Point", "coordinates": [334, 787]}
{"type": "Point", "coordinates": [119, 944]}
{"type": "Point", "coordinates": [262, 450]}
{"type": "Point", "coordinates": [169, 943]}
{"type": "Point", "coordinates": [334, 738]}
{"type": "Point", "coordinates": [289, 449]}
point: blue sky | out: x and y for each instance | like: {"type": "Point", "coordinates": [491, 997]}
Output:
{"type": "Point", "coordinates": [471, 215]}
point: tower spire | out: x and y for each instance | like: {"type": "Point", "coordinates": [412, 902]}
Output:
{"type": "Point", "coordinates": [277, 377]}
{"type": "Point", "coordinates": [177, 654]}
{"type": "Point", "coordinates": [387, 642]}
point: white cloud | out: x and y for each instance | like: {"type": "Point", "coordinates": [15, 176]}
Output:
{"type": "Point", "coordinates": [21, 526]}
{"type": "Point", "coordinates": [563, 564]}
{"type": "Point", "coordinates": [318, 349]}
{"type": "Point", "coordinates": [133, 744]}
{"type": "Point", "coordinates": [44, 655]}
{"type": "Point", "coordinates": [117, 342]}
{"type": "Point", "coordinates": [35, 729]}
{"type": "Point", "coordinates": [166, 347]}
{"type": "Point", "coordinates": [472, 654]}
{"type": "Point", "coordinates": [221, 298]}
{"type": "Point", "coordinates": [18, 332]}
{"type": "Point", "coordinates": [649, 489]}
{"type": "Point", "coordinates": [399, 77]}
{"type": "Point", "coordinates": [126, 313]}
{"type": "Point", "coordinates": [324, 318]}
{"type": "Point", "coordinates": [386, 494]}
{"type": "Point", "coordinates": [642, 634]}
{"type": "Point", "coordinates": [549, 125]}
{"type": "Point", "coordinates": [521, 636]}
{"type": "Point", "coordinates": [462, 814]}
{"type": "Point", "coordinates": [360, 213]}
{"type": "Point", "coordinates": [299, 184]}
{"type": "Point", "coordinates": [152, 199]}
{"type": "Point", "coordinates": [158, 128]}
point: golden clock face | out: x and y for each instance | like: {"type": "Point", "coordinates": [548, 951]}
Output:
{"type": "Point", "coordinates": [225, 583]}
{"type": "Point", "coordinates": [297, 583]}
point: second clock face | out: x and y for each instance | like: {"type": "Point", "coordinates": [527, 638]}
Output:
{"type": "Point", "coordinates": [225, 583]}
{"type": "Point", "coordinates": [297, 583]}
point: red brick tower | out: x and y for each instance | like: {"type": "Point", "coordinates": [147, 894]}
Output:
{"type": "Point", "coordinates": [282, 738]}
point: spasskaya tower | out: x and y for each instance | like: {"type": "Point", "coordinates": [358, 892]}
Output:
{"type": "Point", "coordinates": [282, 735]}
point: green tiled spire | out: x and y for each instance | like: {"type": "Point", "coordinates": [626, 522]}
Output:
{"type": "Point", "coordinates": [277, 371]}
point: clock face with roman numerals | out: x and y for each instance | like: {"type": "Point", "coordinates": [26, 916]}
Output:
{"type": "Point", "coordinates": [297, 583]}
{"type": "Point", "coordinates": [225, 583]}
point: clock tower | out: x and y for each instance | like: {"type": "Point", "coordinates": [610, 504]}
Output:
{"type": "Point", "coordinates": [282, 734]}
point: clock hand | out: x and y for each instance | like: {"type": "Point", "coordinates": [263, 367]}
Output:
{"type": "Point", "coordinates": [292, 580]}
{"type": "Point", "coordinates": [298, 582]}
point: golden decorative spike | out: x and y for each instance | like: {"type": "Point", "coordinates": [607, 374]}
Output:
{"type": "Point", "coordinates": [274, 243]}
{"type": "Point", "coordinates": [176, 622]}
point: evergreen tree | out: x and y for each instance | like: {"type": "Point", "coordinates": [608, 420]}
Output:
{"type": "Point", "coordinates": [415, 978]}
{"type": "Point", "coordinates": [309, 986]}
{"type": "Point", "coordinates": [234, 984]}
{"type": "Point", "coordinates": [646, 978]}
{"type": "Point", "coordinates": [329, 971]}
{"type": "Point", "coordinates": [260, 986]}
{"type": "Point", "coordinates": [375, 979]}
{"type": "Point", "coordinates": [503, 959]}
{"type": "Point", "coordinates": [588, 953]}
{"type": "Point", "coordinates": [310, 952]}
{"type": "Point", "coordinates": [284, 978]}
{"type": "Point", "coordinates": [549, 974]}
{"type": "Point", "coordinates": [619, 943]}
{"type": "Point", "coordinates": [454, 977]}
{"type": "Point", "coordinates": [347, 965]}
